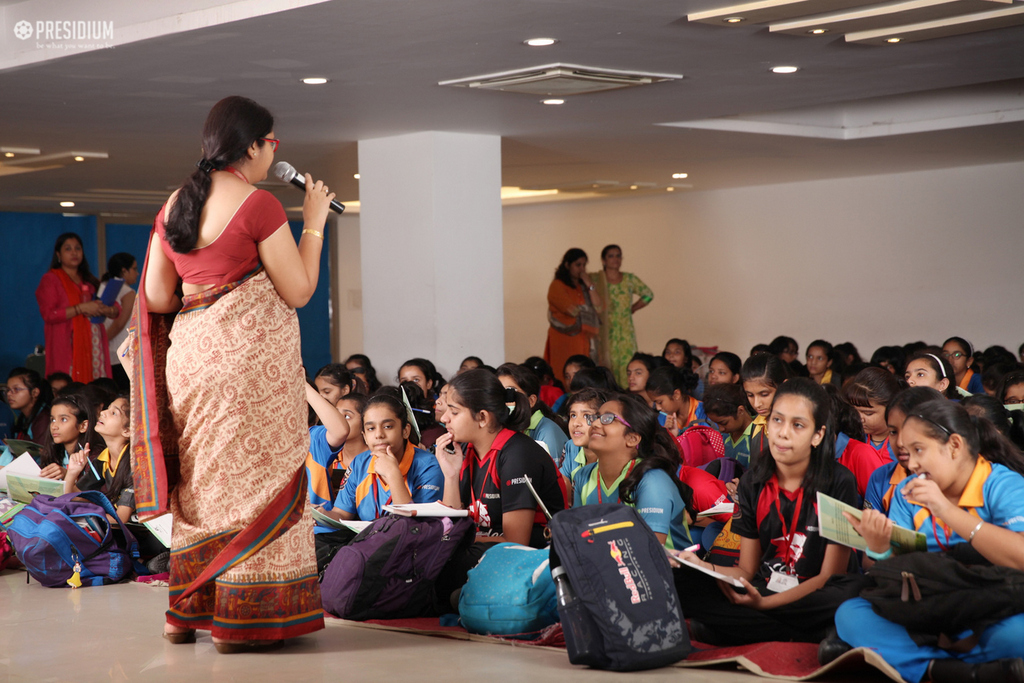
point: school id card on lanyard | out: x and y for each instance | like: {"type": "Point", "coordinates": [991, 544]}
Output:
{"type": "Point", "coordinates": [783, 578]}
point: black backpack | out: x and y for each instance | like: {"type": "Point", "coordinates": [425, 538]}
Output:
{"type": "Point", "coordinates": [939, 595]}
{"type": "Point", "coordinates": [623, 612]}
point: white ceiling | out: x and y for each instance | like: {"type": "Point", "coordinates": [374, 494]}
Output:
{"type": "Point", "coordinates": [143, 103]}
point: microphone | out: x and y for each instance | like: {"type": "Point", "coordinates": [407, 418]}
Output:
{"type": "Point", "coordinates": [288, 174]}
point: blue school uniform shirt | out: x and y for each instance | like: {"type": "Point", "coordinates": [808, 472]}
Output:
{"type": "Point", "coordinates": [881, 488]}
{"type": "Point", "coordinates": [657, 500]}
{"type": "Point", "coordinates": [739, 450]}
{"type": "Point", "coordinates": [994, 493]}
{"type": "Point", "coordinates": [318, 471]}
{"type": "Point", "coordinates": [365, 496]}
{"type": "Point", "coordinates": [546, 431]}
{"type": "Point", "coordinates": [573, 460]}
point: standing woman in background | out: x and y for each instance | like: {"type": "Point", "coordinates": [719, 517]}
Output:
{"type": "Point", "coordinates": [623, 295]}
{"type": "Point", "coordinates": [242, 561]}
{"type": "Point", "coordinates": [74, 344]}
{"type": "Point", "coordinates": [123, 267]}
{"type": "Point", "coordinates": [573, 312]}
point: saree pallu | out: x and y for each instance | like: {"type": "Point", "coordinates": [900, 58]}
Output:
{"type": "Point", "coordinates": [242, 561]}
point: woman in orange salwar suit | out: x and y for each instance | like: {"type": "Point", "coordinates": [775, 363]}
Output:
{"type": "Point", "coordinates": [573, 308]}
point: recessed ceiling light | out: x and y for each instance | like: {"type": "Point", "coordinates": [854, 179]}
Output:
{"type": "Point", "coordinates": [540, 42]}
{"type": "Point", "coordinates": [670, 189]}
{"type": "Point", "coordinates": [8, 154]}
{"type": "Point", "coordinates": [67, 205]}
{"type": "Point", "coordinates": [785, 69]}
{"type": "Point", "coordinates": [680, 175]}
{"type": "Point", "coordinates": [733, 20]}
{"type": "Point", "coordinates": [892, 40]}
{"type": "Point", "coordinates": [553, 101]}
{"type": "Point", "coordinates": [356, 176]}
{"type": "Point", "coordinates": [632, 187]}
{"type": "Point", "coordinates": [818, 31]}
{"type": "Point", "coordinates": [79, 158]}
{"type": "Point", "coordinates": [314, 81]}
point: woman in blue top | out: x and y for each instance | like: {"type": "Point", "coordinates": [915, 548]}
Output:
{"type": "Point", "coordinates": [543, 426]}
{"type": "Point", "coordinates": [636, 464]}
{"type": "Point", "coordinates": [965, 488]}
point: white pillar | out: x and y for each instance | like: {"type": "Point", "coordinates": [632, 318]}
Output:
{"type": "Point", "coordinates": [431, 249]}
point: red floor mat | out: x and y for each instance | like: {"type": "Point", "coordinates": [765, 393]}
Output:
{"type": "Point", "coordinates": [787, 661]}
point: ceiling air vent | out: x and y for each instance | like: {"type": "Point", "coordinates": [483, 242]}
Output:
{"type": "Point", "coordinates": [560, 79]}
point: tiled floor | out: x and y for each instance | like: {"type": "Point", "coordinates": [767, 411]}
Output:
{"type": "Point", "coordinates": [112, 634]}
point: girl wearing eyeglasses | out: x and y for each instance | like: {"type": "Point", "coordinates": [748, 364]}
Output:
{"type": "Point", "coordinates": [1011, 389]}
{"type": "Point", "coordinates": [960, 354]}
{"type": "Point", "coordinates": [636, 464]}
{"type": "Point", "coordinates": [793, 578]}
{"type": "Point", "coordinates": [965, 488]}
{"type": "Point", "coordinates": [29, 397]}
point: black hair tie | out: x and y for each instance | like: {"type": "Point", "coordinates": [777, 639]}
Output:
{"type": "Point", "coordinates": [510, 395]}
{"type": "Point", "coordinates": [205, 165]}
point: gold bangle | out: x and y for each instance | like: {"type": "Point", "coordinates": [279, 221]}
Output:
{"type": "Point", "coordinates": [315, 233]}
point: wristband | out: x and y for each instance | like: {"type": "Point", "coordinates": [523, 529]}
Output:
{"type": "Point", "coordinates": [970, 539]}
{"type": "Point", "coordinates": [878, 556]}
{"type": "Point", "coordinates": [315, 233]}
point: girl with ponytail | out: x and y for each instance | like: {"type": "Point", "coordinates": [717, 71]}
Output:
{"type": "Point", "coordinates": [486, 461]}
{"type": "Point", "coordinates": [966, 488]}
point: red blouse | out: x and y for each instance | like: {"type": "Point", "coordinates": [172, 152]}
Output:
{"type": "Point", "coordinates": [234, 253]}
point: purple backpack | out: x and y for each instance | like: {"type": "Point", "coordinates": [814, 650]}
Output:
{"type": "Point", "coordinates": [388, 571]}
{"type": "Point", "coordinates": [52, 536]}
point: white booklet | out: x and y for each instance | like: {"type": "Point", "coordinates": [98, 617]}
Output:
{"type": "Point", "coordinates": [332, 523]}
{"type": "Point", "coordinates": [731, 580]}
{"type": "Point", "coordinates": [161, 528]}
{"type": "Point", "coordinates": [425, 510]}
{"type": "Point", "coordinates": [23, 464]}
{"type": "Point", "coordinates": [23, 487]}
{"type": "Point", "coordinates": [720, 509]}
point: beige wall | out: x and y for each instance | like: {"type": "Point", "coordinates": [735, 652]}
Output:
{"type": "Point", "coordinates": [873, 260]}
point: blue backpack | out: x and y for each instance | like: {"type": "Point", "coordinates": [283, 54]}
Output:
{"type": "Point", "coordinates": [52, 539]}
{"type": "Point", "coordinates": [510, 592]}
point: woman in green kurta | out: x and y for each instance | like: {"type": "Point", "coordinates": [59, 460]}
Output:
{"type": "Point", "coordinates": [624, 294]}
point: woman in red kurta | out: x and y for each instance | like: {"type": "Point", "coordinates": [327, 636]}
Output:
{"type": "Point", "coordinates": [573, 308]}
{"type": "Point", "coordinates": [74, 344]}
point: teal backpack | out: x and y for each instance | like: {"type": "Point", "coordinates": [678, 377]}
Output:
{"type": "Point", "coordinates": [509, 593]}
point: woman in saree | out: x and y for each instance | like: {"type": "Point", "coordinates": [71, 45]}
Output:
{"type": "Point", "coordinates": [623, 295]}
{"type": "Point", "coordinates": [74, 344]}
{"type": "Point", "coordinates": [225, 454]}
{"type": "Point", "coordinates": [573, 310]}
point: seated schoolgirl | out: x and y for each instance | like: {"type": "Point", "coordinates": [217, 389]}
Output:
{"type": "Point", "coordinates": [1011, 389]}
{"type": "Point", "coordinates": [928, 368]}
{"type": "Point", "coordinates": [469, 363]}
{"type": "Point", "coordinates": [574, 364]}
{"type": "Point", "coordinates": [582, 404]}
{"type": "Point", "coordinates": [360, 366]}
{"type": "Point", "coordinates": [637, 464]}
{"type": "Point", "coordinates": [707, 492]}
{"type": "Point", "coordinates": [678, 353]}
{"type": "Point", "coordinates": [886, 479]}
{"type": "Point", "coordinates": [325, 443]}
{"type": "Point", "coordinates": [71, 430]}
{"type": "Point", "coordinates": [423, 374]}
{"type": "Point", "coordinates": [489, 477]}
{"type": "Point", "coordinates": [793, 578]}
{"type": "Point", "coordinates": [965, 487]}
{"type": "Point", "coordinates": [639, 370]}
{"type": "Point", "coordinates": [392, 471]}
{"type": "Point", "coordinates": [333, 381]}
{"type": "Point", "coordinates": [551, 390]}
{"type": "Point", "coordinates": [762, 375]}
{"type": "Point", "coordinates": [960, 354]}
{"type": "Point", "coordinates": [851, 451]}
{"type": "Point", "coordinates": [672, 392]}
{"type": "Point", "coordinates": [891, 358]}
{"type": "Point", "coordinates": [726, 405]}
{"type": "Point", "coordinates": [114, 462]}
{"type": "Point", "coordinates": [870, 391]}
{"type": "Point", "coordinates": [724, 368]}
{"type": "Point", "coordinates": [1010, 423]}
{"type": "Point", "coordinates": [544, 425]}
{"type": "Point", "coordinates": [351, 408]}
{"type": "Point", "coordinates": [28, 397]}
{"type": "Point", "coordinates": [426, 428]}
{"type": "Point", "coordinates": [823, 363]}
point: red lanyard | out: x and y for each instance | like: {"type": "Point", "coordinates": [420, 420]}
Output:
{"type": "Point", "coordinates": [787, 535]}
{"type": "Point", "coordinates": [600, 483]}
{"type": "Point", "coordinates": [935, 532]}
{"type": "Point", "coordinates": [376, 500]}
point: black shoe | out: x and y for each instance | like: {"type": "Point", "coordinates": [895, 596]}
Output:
{"type": "Point", "coordinates": [832, 647]}
{"type": "Point", "coordinates": [999, 671]}
{"type": "Point", "coordinates": [703, 633]}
